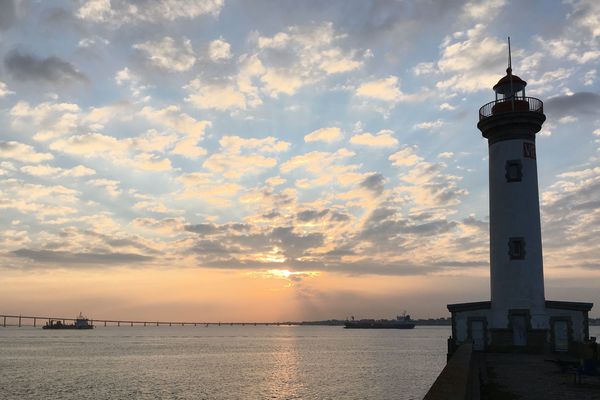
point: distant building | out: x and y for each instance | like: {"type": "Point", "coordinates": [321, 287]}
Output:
{"type": "Point", "coordinates": [518, 315]}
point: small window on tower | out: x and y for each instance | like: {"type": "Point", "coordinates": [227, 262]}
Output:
{"type": "Point", "coordinates": [516, 248]}
{"type": "Point", "coordinates": [514, 171]}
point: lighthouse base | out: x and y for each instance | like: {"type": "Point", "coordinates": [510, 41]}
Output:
{"type": "Point", "coordinates": [563, 325]}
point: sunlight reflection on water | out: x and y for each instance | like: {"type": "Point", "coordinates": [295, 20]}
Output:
{"type": "Point", "coordinates": [220, 363]}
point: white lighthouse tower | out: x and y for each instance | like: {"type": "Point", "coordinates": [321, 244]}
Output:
{"type": "Point", "coordinates": [518, 315]}
{"type": "Point", "coordinates": [516, 268]}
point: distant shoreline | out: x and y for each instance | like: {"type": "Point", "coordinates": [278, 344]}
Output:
{"type": "Point", "coordinates": [421, 322]}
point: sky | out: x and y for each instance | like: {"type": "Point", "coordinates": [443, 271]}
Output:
{"type": "Point", "coordinates": [232, 160]}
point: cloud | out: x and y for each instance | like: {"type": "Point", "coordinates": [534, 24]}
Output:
{"type": "Point", "coordinates": [278, 64]}
{"type": "Point", "coordinates": [236, 165]}
{"type": "Point", "coordinates": [580, 103]}
{"type": "Point", "coordinates": [386, 89]}
{"type": "Point", "coordinates": [375, 183]}
{"type": "Point", "coordinates": [37, 201]}
{"type": "Point", "coordinates": [41, 170]}
{"type": "Point", "coordinates": [327, 135]}
{"type": "Point", "coordinates": [111, 186]}
{"type": "Point", "coordinates": [430, 125]}
{"type": "Point", "coordinates": [8, 13]}
{"type": "Point", "coordinates": [425, 68]}
{"type": "Point", "coordinates": [178, 121]}
{"type": "Point", "coordinates": [125, 77]}
{"type": "Point", "coordinates": [48, 120]}
{"type": "Point", "coordinates": [589, 78]}
{"type": "Point", "coordinates": [219, 50]}
{"type": "Point", "coordinates": [208, 188]}
{"type": "Point", "coordinates": [483, 10]}
{"type": "Point", "coordinates": [22, 152]}
{"type": "Point", "coordinates": [64, 258]}
{"type": "Point", "coordinates": [302, 55]}
{"type": "Point", "coordinates": [166, 226]}
{"type": "Point", "coordinates": [311, 215]}
{"type": "Point", "coordinates": [89, 145]}
{"type": "Point", "coordinates": [4, 91]}
{"type": "Point", "coordinates": [586, 14]}
{"type": "Point", "coordinates": [151, 162]}
{"type": "Point", "coordinates": [315, 161]}
{"type": "Point", "coordinates": [169, 55]}
{"type": "Point", "coordinates": [405, 157]}
{"type": "Point", "coordinates": [93, 41]}
{"type": "Point", "coordinates": [269, 144]}
{"type": "Point", "coordinates": [383, 138]}
{"type": "Point", "coordinates": [466, 64]}
{"type": "Point", "coordinates": [118, 12]}
{"type": "Point", "coordinates": [233, 163]}
{"type": "Point", "coordinates": [79, 171]}
{"type": "Point", "coordinates": [570, 216]}
{"type": "Point", "coordinates": [231, 246]}
{"type": "Point", "coordinates": [219, 96]}
{"type": "Point", "coordinates": [277, 180]}
{"type": "Point", "coordinates": [28, 67]}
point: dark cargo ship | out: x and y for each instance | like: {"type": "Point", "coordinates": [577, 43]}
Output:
{"type": "Point", "coordinates": [401, 322]}
{"type": "Point", "coordinates": [81, 322]}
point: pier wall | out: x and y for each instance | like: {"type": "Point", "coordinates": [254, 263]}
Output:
{"type": "Point", "coordinates": [459, 380]}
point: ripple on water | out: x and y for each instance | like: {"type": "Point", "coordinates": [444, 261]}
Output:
{"type": "Point", "coordinates": [224, 362]}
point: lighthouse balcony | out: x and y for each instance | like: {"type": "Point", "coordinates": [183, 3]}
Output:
{"type": "Point", "coordinates": [511, 104]}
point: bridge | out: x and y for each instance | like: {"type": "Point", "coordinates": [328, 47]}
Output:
{"type": "Point", "coordinates": [27, 320]}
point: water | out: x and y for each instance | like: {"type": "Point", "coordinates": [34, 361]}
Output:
{"type": "Point", "coordinates": [302, 362]}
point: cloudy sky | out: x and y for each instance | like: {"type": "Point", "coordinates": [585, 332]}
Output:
{"type": "Point", "coordinates": [271, 160]}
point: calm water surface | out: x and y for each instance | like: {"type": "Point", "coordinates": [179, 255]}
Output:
{"type": "Point", "coordinates": [249, 362]}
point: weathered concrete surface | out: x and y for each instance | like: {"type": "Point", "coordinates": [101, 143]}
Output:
{"type": "Point", "coordinates": [530, 377]}
{"type": "Point", "coordinates": [459, 380]}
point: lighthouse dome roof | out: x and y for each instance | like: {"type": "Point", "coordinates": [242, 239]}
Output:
{"type": "Point", "coordinates": [504, 85]}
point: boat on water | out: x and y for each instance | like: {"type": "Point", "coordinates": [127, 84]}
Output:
{"type": "Point", "coordinates": [401, 322]}
{"type": "Point", "coordinates": [81, 322]}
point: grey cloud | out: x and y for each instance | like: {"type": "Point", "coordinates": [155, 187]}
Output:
{"type": "Point", "coordinates": [380, 214]}
{"type": "Point", "coordinates": [339, 217]}
{"type": "Point", "coordinates": [314, 215]}
{"type": "Point", "coordinates": [225, 239]}
{"type": "Point", "coordinates": [311, 215]}
{"type": "Point", "coordinates": [592, 266]}
{"type": "Point", "coordinates": [213, 247]}
{"type": "Point", "coordinates": [581, 103]}
{"type": "Point", "coordinates": [294, 244]}
{"type": "Point", "coordinates": [391, 21]}
{"type": "Point", "coordinates": [461, 264]}
{"type": "Point", "coordinates": [472, 221]}
{"type": "Point", "coordinates": [571, 219]}
{"type": "Point", "coordinates": [8, 13]}
{"type": "Point", "coordinates": [445, 192]}
{"type": "Point", "coordinates": [430, 228]}
{"type": "Point", "coordinates": [340, 252]}
{"type": "Point", "coordinates": [374, 182]}
{"type": "Point", "coordinates": [203, 229]}
{"type": "Point", "coordinates": [212, 229]}
{"type": "Point", "coordinates": [29, 67]}
{"type": "Point", "coordinates": [357, 268]}
{"type": "Point", "coordinates": [68, 258]}
{"type": "Point", "coordinates": [271, 215]}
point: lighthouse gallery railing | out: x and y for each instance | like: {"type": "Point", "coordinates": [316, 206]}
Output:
{"type": "Point", "coordinates": [517, 104]}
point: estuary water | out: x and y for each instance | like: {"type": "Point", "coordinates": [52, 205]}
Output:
{"type": "Point", "coordinates": [220, 362]}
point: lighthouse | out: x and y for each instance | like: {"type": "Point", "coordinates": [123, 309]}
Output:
{"type": "Point", "coordinates": [510, 124]}
{"type": "Point", "coordinates": [518, 316]}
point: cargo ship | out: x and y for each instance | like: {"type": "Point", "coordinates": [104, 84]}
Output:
{"type": "Point", "coordinates": [401, 322]}
{"type": "Point", "coordinates": [81, 322]}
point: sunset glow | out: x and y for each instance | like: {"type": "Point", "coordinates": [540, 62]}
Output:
{"type": "Point", "coordinates": [281, 160]}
